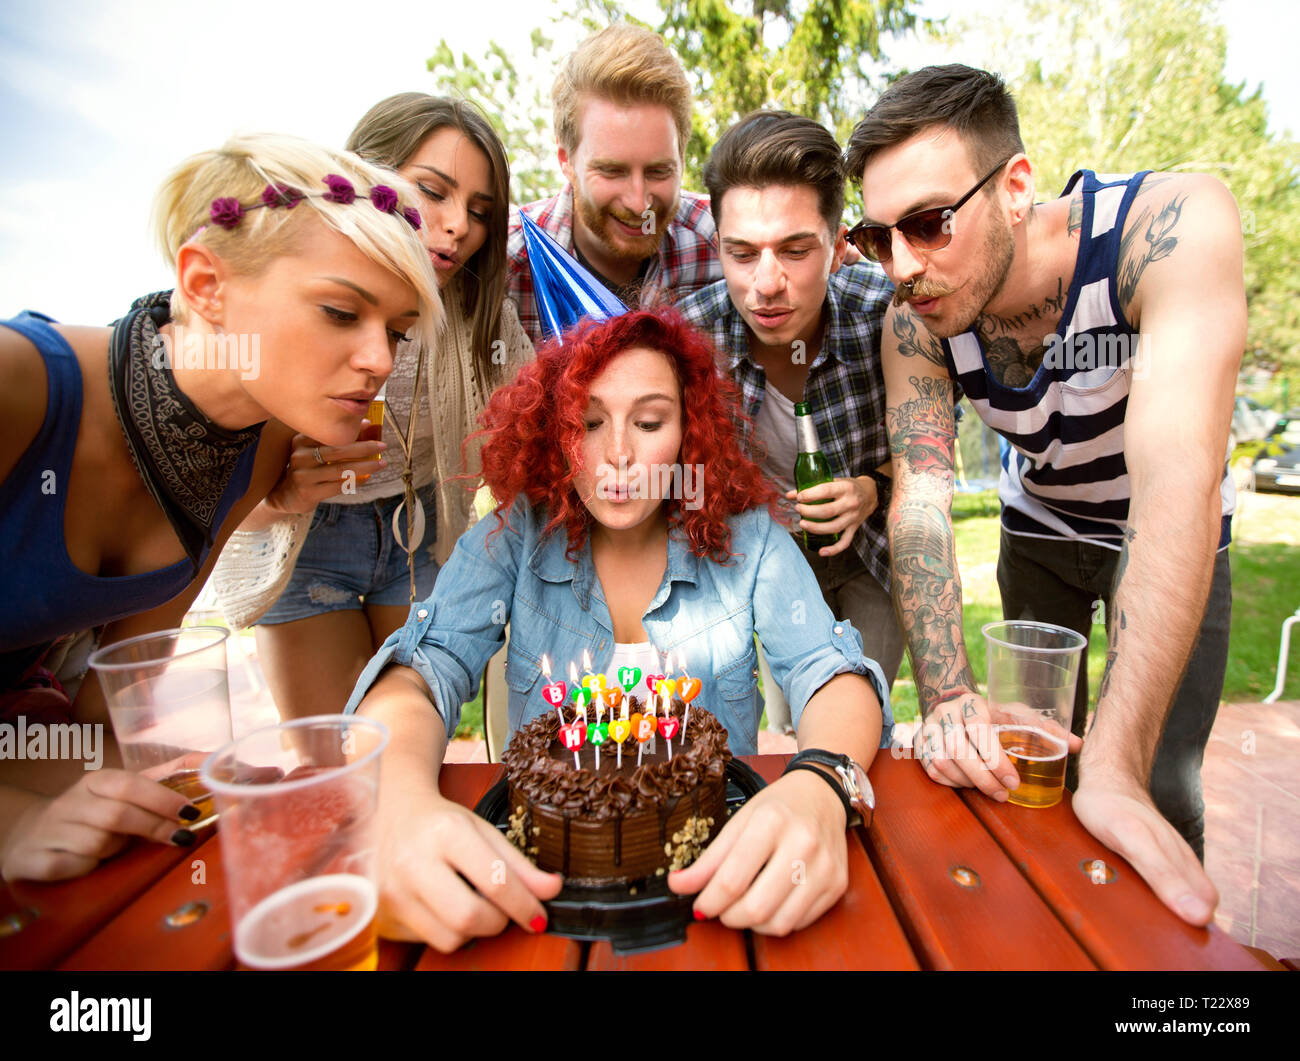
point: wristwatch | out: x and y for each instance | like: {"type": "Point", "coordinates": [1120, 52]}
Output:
{"type": "Point", "coordinates": [853, 788]}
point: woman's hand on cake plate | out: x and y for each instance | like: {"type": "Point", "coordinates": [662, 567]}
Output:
{"type": "Point", "coordinates": [777, 865]}
{"type": "Point", "coordinates": [448, 876]}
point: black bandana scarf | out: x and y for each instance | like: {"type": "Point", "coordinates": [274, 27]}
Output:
{"type": "Point", "coordinates": [185, 459]}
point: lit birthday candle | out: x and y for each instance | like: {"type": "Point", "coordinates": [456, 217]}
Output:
{"type": "Point", "coordinates": [553, 692]}
{"type": "Point", "coordinates": [688, 689]}
{"type": "Point", "coordinates": [572, 737]}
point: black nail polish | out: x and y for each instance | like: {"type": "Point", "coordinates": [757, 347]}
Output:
{"type": "Point", "coordinates": [182, 838]}
{"type": "Point", "coordinates": [189, 813]}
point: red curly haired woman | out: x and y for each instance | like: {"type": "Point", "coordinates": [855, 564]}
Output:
{"type": "Point", "coordinates": [583, 557]}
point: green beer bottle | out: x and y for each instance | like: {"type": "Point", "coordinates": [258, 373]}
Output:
{"type": "Point", "coordinates": [810, 468]}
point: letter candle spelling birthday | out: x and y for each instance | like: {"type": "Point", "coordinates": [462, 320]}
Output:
{"type": "Point", "coordinates": [553, 692]}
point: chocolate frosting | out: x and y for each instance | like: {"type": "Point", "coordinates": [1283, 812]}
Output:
{"type": "Point", "coordinates": [541, 768]}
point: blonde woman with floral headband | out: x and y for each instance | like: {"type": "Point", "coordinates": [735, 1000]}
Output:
{"type": "Point", "coordinates": [131, 453]}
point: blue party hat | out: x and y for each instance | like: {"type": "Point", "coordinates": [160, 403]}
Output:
{"type": "Point", "coordinates": [566, 292]}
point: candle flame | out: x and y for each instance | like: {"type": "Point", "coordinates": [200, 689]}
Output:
{"type": "Point", "coordinates": [546, 666]}
{"type": "Point", "coordinates": [586, 660]}
{"type": "Point", "coordinates": [573, 673]}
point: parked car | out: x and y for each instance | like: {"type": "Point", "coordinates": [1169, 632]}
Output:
{"type": "Point", "coordinates": [1277, 469]}
{"type": "Point", "coordinates": [1252, 422]}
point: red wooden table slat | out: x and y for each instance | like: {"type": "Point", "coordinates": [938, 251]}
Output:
{"type": "Point", "coordinates": [140, 938]}
{"type": "Point", "coordinates": [920, 834]}
{"type": "Point", "coordinates": [1121, 924]}
{"type": "Point", "coordinates": [859, 932]}
{"type": "Point", "coordinates": [70, 911]}
{"type": "Point", "coordinates": [398, 955]}
{"type": "Point", "coordinates": [467, 783]}
{"type": "Point", "coordinates": [513, 949]}
{"type": "Point", "coordinates": [710, 946]}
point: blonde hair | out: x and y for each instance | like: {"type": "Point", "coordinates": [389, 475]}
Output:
{"type": "Point", "coordinates": [244, 166]}
{"type": "Point", "coordinates": [624, 64]}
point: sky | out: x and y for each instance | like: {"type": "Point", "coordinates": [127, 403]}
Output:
{"type": "Point", "coordinates": [99, 100]}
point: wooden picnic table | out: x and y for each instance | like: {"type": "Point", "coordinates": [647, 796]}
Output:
{"type": "Point", "coordinates": [941, 880]}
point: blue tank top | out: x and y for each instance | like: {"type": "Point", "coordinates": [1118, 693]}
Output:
{"type": "Point", "coordinates": [1064, 473]}
{"type": "Point", "coordinates": [43, 594]}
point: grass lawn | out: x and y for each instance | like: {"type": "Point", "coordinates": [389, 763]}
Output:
{"type": "Point", "coordinates": [1265, 590]}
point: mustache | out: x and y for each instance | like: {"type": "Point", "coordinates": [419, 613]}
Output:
{"type": "Point", "coordinates": [919, 288]}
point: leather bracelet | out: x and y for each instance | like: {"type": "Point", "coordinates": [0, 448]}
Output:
{"type": "Point", "coordinates": [849, 812]}
{"type": "Point", "coordinates": [884, 488]}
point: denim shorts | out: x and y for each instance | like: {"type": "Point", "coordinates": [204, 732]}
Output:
{"type": "Point", "coordinates": [350, 559]}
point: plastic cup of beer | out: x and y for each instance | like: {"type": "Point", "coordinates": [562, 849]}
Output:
{"type": "Point", "coordinates": [297, 804]}
{"type": "Point", "coordinates": [1032, 672]}
{"type": "Point", "coordinates": [169, 702]}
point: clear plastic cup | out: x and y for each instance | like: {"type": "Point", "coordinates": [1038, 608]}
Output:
{"type": "Point", "coordinates": [1033, 669]}
{"type": "Point", "coordinates": [297, 804]}
{"type": "Point", "coordinates": [169, 702]}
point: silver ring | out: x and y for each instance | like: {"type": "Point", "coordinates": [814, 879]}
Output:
{"type": "Point", "coordinates": [316, 454]}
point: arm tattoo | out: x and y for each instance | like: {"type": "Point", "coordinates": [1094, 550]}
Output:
{"type": "Point", "coordinates": [921, 430]}
{"type": "Point", "coordinates": [1121, 623]}
{"type": "Point", "coordinates": [927, 594]}
{"type": "Point", "coordinates": [1157, 242]}
{"type": "Point", "coordinates": [910, 345]}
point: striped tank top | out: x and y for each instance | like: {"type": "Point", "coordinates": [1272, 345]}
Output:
{"type": "Point", "coordinates": [1063, 474]}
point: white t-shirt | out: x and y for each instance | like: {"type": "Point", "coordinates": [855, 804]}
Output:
{"type": "Point", "coordinates": [774, 427]}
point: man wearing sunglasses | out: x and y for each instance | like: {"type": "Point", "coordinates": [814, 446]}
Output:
{"type": "Point", "coordinates": [792, 326]}
{"type": "Point", "coordinates": [1100, 334]}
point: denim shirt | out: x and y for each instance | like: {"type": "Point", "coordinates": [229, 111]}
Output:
{"type": "Point", "coordinates": [556, 606]}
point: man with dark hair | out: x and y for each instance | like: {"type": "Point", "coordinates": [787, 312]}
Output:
{"type": "Point", "coordinates": [622, 120]}
{"type": "Point", "coordinates": [794, 326]}
{"type": "Point", "coordinates": [1100, 334]}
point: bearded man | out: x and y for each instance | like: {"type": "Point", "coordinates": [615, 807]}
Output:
{"type": "Point", "coordinates": [1100, 334]}
{"type": "Point", "coordinates": [622, 120]}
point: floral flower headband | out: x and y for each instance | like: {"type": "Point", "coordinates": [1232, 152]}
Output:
{"type": "Point", "coordinates": [228, 212]}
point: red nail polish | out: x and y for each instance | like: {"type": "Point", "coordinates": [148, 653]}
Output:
{"type": "Point", "coordinates": [538, 923]}
{"type": "Point", "coordinates": [699, 916]}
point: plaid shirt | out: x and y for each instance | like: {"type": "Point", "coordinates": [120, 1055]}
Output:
{"type": "Point", "coordinates": [845, 386]}
{"type": "Point", "coordinates": [685, 262]}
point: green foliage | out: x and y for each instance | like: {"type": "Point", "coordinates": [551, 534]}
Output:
{"type": "Point", "coordinates": [817, 58]}
{"type": "Point", "coordinates": [1139, 84]}
{"type": "Point", "coordinates": [814, 57]}
{"type": "Point", "coordinates": [497, 86]}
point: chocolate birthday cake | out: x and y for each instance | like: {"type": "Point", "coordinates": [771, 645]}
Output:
{"type": "Point", "coordinates": [617, 824]}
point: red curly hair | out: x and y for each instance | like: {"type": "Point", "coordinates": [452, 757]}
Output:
{"type": "Point", "coordinates": [535, 429]}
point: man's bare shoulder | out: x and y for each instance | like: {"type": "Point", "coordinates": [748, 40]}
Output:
{"type": "Point", "coordinates": [1175, 218]}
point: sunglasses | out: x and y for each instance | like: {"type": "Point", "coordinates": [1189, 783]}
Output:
{"type": "Point", "coordinates": [927, 230]}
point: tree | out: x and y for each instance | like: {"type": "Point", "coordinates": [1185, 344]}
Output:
{"type": "Point", "coordinates": [822, 58]}
{"type": "Point", "coordinates": [1139, 84]}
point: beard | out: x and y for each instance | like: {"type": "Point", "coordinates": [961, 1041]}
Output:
{"type": "Point", "coordinates": [997, 255]}
{"type": "Point", "coordinates": [625, 248]}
